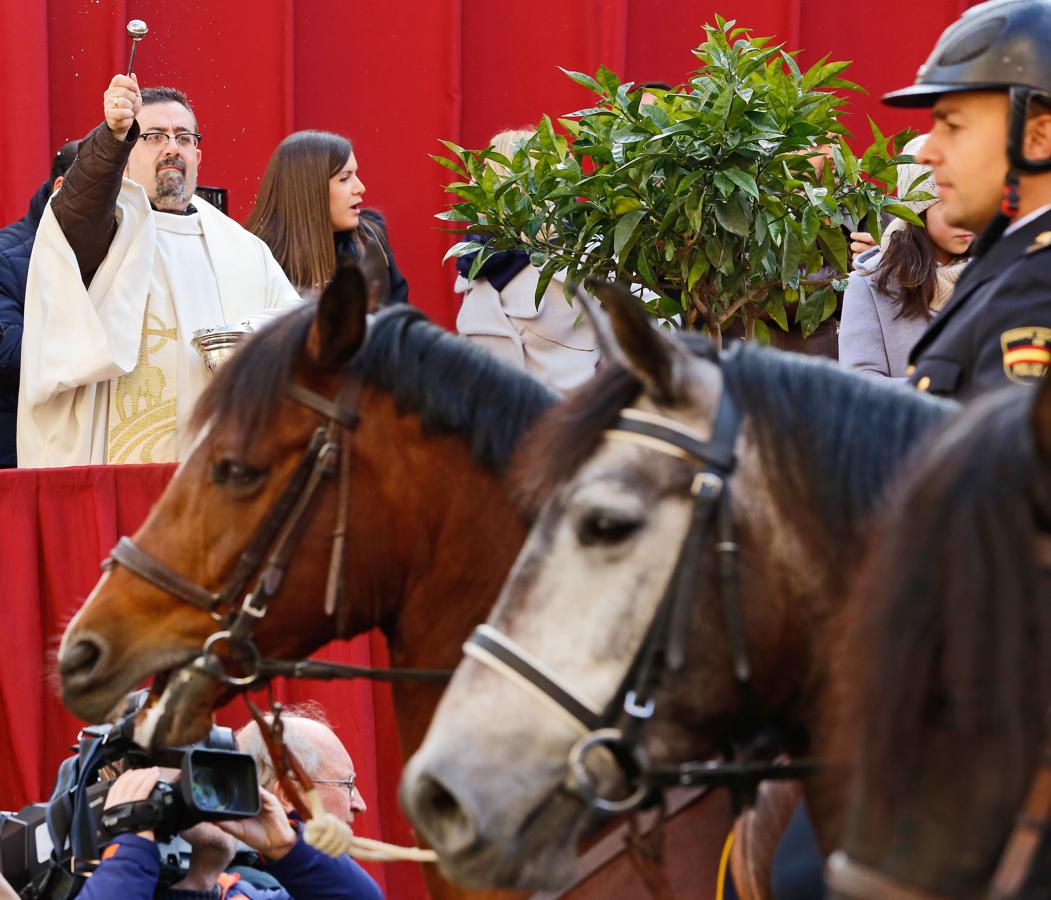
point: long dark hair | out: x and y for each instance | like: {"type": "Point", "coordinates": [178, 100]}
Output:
{"type": "Point", "coordinates": [908, 271]}
{"type": "Point", "coordinates": [291, 213]}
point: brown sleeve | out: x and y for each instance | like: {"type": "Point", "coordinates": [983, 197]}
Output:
{"type": "Point", "coordinates": [86, 205]}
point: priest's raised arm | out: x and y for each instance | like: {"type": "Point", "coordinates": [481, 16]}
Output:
{"type": "Point", "coordinates": [128, 263]}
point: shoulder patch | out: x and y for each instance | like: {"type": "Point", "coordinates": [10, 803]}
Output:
{"type": "Point", "coordinates": [1027, 352]}
{"type": "Point", "coordinates": [1040, 242]}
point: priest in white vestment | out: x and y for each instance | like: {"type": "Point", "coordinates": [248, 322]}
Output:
{"type": "Point", "coordinates": [127, 265]}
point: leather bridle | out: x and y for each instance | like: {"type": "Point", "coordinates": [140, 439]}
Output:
{"type": "Point", "coordinates": [1032, 822]}
{"type": "Point", "coordinates": [273, 547]}
{"type": "Point", "coordinates": [618, 726]}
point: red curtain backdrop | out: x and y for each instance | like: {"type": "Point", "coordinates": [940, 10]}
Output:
{"type": "Point", "coordinates": [396, 77]}
{"type": "Point", "coordinates": [56, 526]}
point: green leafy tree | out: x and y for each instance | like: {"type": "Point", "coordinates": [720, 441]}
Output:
{"type": "Point", "coordinates": [707, 197]}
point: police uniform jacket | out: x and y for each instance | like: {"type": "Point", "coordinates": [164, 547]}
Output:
{"type": "Point", "coordinates": [996, 328]}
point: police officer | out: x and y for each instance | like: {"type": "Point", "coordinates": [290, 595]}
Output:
{"type": "Point", "coordinates": [988, 82]}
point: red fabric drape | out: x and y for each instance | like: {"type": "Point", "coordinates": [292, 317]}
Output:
{"type": "Point", "coordinates": [395, 77]}
{"type": "Point", "coordinates": [57, 525]}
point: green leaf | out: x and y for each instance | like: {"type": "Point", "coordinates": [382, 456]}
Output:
{"type": "Point", "coordinates": [625, 229]}
{"type": "Point", "coordinates": [697, 270]}
{"type": "Point", "coordinates": [815, 309]}
{"type": "Point", "coordinates": [811, 225]}
{"type": "Point", "coordinates": [744, 181]}
{"type": "Point", "coordinates": [695, 211]}
{"type": "Point", "coordinates": [732, 217]}
{"type": "Point", "coordinates": [643, 265]}
{"type": "Point", "coordinates": [762, 332]}
{"type": "Point", "coordinates": [723, 183]}
{"type": "Point", "coordinates": [834, 244]}
{"type": "Point", "coordinates": [582, 79]}
{"type": "Point", "coordinates": [775, 308]}
{"type": "Point", "coordinates": [791, 256]}
{"type": "Point", "coordinates": [450, 164]}
{"type": "Point", "coordinates": [903, 212]}
{"type": "Point", "coordinates": [462, 249]}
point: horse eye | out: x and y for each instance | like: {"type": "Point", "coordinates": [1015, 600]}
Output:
{"type": "Point", "coordinates": [605, 528]}
{"type": "Point", "coordinates": [238, 476]}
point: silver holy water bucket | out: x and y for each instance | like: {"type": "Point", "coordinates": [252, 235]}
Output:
{"type": "Point", "coordinates": [217, 345]}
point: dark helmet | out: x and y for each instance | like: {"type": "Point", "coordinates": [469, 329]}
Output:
{"type": "Point", "coordinates": [1002, 45]}
{"type": "Point", "coordinates": [991, 47]}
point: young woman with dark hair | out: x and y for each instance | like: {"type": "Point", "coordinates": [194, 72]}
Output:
{"type": "Point", "coordinates": [897, 287]}
{"type": "Point", "coordinates": [310, 213]}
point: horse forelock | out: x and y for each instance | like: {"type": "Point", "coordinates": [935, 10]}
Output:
{"type": "Point", "coordinates": [451, 384]}
{"type": "Point", "coordinates": [949, 622]}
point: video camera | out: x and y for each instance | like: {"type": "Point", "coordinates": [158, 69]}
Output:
{"type": "Point", "coordinates": [47, 849]}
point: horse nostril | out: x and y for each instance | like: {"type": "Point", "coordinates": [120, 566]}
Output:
{"type": "Point", "coordinates": [449, 827]}
{"type": "Point", "coordinates": [80, 659]}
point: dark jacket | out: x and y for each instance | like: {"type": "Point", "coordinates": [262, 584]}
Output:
{"type": "Point", "coordinates": [996, 329]}
{"type": "Point", "coordinates": [131, 873]}
{"type": "Point", "coordinates": [16, 246]}
{"type": "Point", "coordinates": [86, 207]}
{"type": "Point", "coordinates": [369, 246]}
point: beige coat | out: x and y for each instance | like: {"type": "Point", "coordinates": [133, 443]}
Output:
{"type": "Point", "coordinates": [553, 341]}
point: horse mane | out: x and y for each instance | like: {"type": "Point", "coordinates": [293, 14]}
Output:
{"type": "Point", "coordinates": [949, 623]}
{"type": "Point", "coordinates": [451, 384]}
{"type": "Point", "coordinates": [835, 437]}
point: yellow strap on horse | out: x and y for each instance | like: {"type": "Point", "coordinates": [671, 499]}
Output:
{"type": "Point", "coordinates": [724, 865]}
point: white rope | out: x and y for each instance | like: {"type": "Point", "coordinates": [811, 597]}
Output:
{"type": "Point", "coordinates": [326, 833]}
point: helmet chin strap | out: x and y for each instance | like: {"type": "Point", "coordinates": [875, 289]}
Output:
{"type": "Point", "coordinates": [1003, 218]}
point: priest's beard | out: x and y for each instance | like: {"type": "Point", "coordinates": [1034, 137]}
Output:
{"type": "Point", "coordinates": [171, 186]}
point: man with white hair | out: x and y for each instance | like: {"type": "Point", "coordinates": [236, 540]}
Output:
{"type": "Point", "coordinates": [308, 735]}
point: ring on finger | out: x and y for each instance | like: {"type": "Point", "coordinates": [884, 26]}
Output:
{"type": "Point", "coordinates": [116, 104]}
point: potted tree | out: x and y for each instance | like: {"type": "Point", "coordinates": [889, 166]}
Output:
{"type": "Point", "coordinates": [705, 199]}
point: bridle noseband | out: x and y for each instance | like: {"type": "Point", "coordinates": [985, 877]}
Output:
{"type": "Point", "coordinates": [618, 726]}
{"type": "Point", "coordinates": [273, 547]}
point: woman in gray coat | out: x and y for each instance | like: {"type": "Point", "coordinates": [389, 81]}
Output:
{"type": "Point", "coordinates": [896, 288]}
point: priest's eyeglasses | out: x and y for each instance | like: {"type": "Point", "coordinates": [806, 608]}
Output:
{"type": "Point", "coordinates": [157, 140]}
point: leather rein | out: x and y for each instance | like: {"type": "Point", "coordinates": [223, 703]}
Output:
{"type": "Point", "coordinates": [618, 726]}
{"type": "Point", "coordinates": [273, 546]}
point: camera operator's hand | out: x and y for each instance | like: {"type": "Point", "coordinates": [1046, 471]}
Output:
{"type": "Point", "coordinates": [135, 784]}
{"type": "Point", "coordinates": [268, 833]}
{"type": "Point", "coordinates": [6, 891]}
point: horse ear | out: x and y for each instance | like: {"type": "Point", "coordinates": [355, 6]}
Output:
{"type": "Point", "coordinates": [1041, 420]}
{"type": "Point", "coordinates": [339, 324]}
{"type": "Point", "coordinates": [630, 337]}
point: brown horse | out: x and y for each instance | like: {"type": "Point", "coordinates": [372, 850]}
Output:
{"type": "Point", "coordinates": [431, 530]}
{"type": "Point", "coordinates": [947, 667]}
{"type": "Point", "coordinates": [638, 465]}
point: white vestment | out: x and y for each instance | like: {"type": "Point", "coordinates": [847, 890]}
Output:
{"type": "Point", "coordinates": [79, 344]}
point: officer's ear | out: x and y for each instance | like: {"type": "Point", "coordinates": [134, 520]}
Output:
{"type": "Point", "coordinates": [1038, 131]}
{"type": "Point", "coordinates": [1040, 420]}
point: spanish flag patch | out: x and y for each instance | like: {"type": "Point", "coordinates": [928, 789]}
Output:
{"type": "Point", "coordinates": [1027, 353]}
